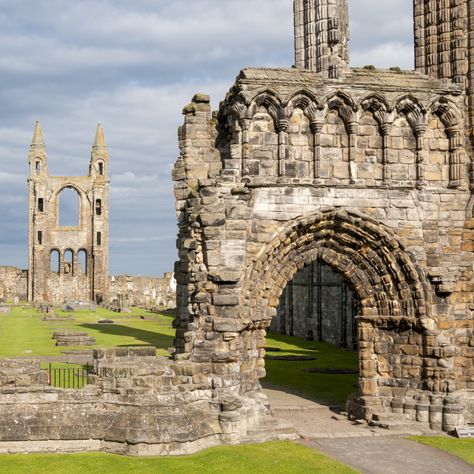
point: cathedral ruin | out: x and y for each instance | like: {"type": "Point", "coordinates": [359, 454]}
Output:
{"type": "Point", "coordinates": [68, 261]}
{"type": "Point", "coordinates": [322, 179]}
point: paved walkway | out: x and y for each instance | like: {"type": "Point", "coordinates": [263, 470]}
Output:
{"type": "Point", "coordinates": [387, 455]}
{"type": "Point", "coordinates": [368, 450]}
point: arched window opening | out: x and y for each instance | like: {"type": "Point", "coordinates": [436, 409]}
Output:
{"type": "Point", "coordinates": [101, 168]}
{"type": "Point", "coordinates": [69, 207]}
{"type": "Point", "coordinates": [99, 238]}
{"type": "Point", "coordinates": [55, 262]}
{"type": "Point", "coordinates": [388, 38]}
{"type": "Point", "coordinates": [98, 207]}
{"type": "Point", "coordinates": [40, 237]}
{"type": "Point", "coordinates": [40, 205]}
{"type": "Point", "coordinates": [318, 305]}
{"type": "Point", "coordinates": [38, 166]}
{"type": "Point", "coordinates": [81, 263]}
{"type": "Point", "coordinates": [68, 263]}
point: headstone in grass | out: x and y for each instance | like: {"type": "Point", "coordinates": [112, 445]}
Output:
{"type": "Point", "coordinates": [331, 371]}
{"type": "Point", "coordinates": [106, 321]}
{"type": "Point", "coordinates": [4, 309]}
{"type": "Point", "coordinates": [290, 358]}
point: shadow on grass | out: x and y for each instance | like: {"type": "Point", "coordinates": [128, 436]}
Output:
{"type": "Point", "coordinates": [150, 338]}
{"type": "Point", "coordinates": [288, 376]}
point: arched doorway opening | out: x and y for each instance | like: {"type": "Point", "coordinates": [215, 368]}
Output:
{"type": "Point", "coordinates": [385, 280]}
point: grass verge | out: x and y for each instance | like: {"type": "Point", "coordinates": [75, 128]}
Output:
{"type": "Point", "coordinates": [462, 448]}
{"type": "Point", "coordinates": [275, 458]}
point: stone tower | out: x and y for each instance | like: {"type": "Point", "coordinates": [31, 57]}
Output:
{"type": "Point", "coordinates": [322, 36]}
{"type": "Point", "coordinates": [68, 263]}
{"type": "Point", "coordinates": [444, 43]}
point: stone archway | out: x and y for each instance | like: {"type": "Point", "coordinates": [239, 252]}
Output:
{"type": "Point", "coordinates": [387, 282]}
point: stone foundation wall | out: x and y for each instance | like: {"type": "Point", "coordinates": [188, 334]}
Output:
{"type": "Point", "coordinates": [137, 404]}
{"type": "Point", "coordinates": [128, 290]}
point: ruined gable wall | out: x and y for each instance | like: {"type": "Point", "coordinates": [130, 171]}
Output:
{"type": "Point", "coordinates": [148, 292]}
{"type": "Point", "coordinates": [13, 283]}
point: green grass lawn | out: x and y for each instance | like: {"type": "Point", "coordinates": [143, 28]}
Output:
{"type": "Point", "coordinates": [23, 333]}
{"type": "Point", "coordinates": [275, 458]}
{"type": "Point", "coordinates": [324, 388]}
{"type": "Point", "coordinates": [462, 448]}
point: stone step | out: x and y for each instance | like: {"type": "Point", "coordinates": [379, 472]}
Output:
{"type": "Point", "coordinates": [272, 429]}
{"type": "Point", "coordinates": [394, 422]}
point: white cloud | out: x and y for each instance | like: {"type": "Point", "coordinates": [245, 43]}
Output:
{"type": "Point", "coordinates": [133, 66]}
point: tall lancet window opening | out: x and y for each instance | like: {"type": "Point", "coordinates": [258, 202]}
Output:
{"type": "Point", "coordinates": [68, 208]}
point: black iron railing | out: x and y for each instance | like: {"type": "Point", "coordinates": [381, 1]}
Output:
{"type": "Point", "coordinates": [69, 377]}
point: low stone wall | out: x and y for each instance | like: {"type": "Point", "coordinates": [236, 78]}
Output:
{"type": "Point", "coordinates": [137, 404]}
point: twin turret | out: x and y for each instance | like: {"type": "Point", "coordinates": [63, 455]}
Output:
{"type": "Point", "coordinates": [38, 159]}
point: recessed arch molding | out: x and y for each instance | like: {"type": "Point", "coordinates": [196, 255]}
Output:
{"type": "Point", "coordinates": [389, 283]}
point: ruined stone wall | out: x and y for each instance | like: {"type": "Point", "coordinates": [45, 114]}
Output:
{"type": "Point", "coordinates": [135, 404]}
{"type": "Point", "coordinates": [317, 305]}
{"type": "Point", "coordinates": [148, 292]}
{"type": "Point", "coordinates": [369, 175]}
{"type": "Point", "coordinates": [13, 284]}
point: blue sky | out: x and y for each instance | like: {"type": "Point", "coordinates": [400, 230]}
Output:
{"type": "Point", "coordinates": [133, 65]}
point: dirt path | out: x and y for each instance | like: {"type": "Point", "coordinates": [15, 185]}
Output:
{"type": "Point", "coordinates": [369, 450]}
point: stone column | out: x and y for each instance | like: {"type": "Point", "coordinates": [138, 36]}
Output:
{"type": "Point", "coordinates": [455, 157]}
{"type": "Point", "coordinates": [316, 128]}
{"type": "Point", "coordinates": [420, 130]}
{"type": "Point", "coordinates": [352, 129]}
{"type": "Point", "coordinates": [245, 140]}
{"type": "Point", "coordinates": [282, 128]}
{"type": "Point", "coordinates": [74, 264]}
{"type": "Point", "coordinates": [299, 19]}
{"type": "Point", "coordinates": [444, 43]}
{"type": "Point", "coordinates": [385, 130]}
{"type": "Point", "coordinates": [368, 383]}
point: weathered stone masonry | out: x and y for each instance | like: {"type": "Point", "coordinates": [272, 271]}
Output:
{"type": "Point", "coordinates": [368, 172]}
{"type": "Point", "coordinates": [365, 171]}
